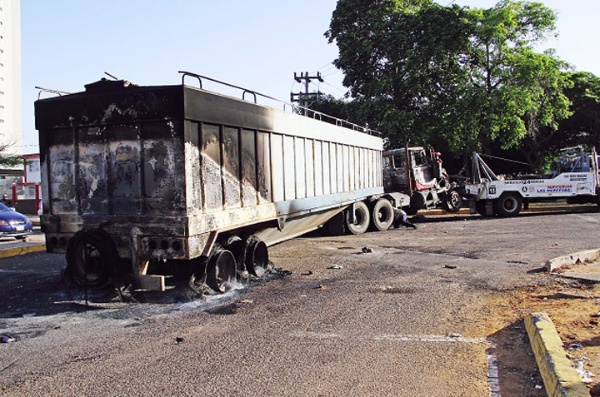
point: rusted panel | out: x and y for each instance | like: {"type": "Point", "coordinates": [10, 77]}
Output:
{"type": "Point", "coordinates": [211, 168]}
{"type": "Point", "coordinates": [92, 177]}
{"type": "Point", "coordinates": [60, 197]}
{"type": "Point", "coordinates": [277, 175]}
{"type": "Point", "coordinates": [193, 181]}
{"type": "Point", "coordinates": [125, 177]}
{"type": "Point", "coordinates": [231, 167]}
{"type": "Point", "coordinates": [263, 164]}
{"type": "Point", "coordinates": [249, 165]}
{"type": "Point", "coordinates": [163, 170]}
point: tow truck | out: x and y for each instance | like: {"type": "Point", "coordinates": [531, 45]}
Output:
{"type": "Point", "coordinates": [574, 176]}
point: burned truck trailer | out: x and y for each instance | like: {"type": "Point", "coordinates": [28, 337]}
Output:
{"type": "Point", "coordinates": [135, 175]}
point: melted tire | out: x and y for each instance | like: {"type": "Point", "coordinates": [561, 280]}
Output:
{"type": "Point", "coordinates": [221, 270]}
{"type": "Point", "coordinates": [256, 256]}
{"type": "Point", "coordinates": [91, 258]}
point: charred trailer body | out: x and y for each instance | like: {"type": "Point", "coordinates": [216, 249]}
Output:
{"type": "Point", "coordinates": [133, 176]}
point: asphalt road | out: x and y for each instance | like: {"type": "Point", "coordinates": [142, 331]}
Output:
{"type": "Point", "coordinates": [402, 320]}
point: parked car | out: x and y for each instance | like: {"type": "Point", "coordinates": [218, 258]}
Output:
{"type": "Point", "coordinates": [13, 223]}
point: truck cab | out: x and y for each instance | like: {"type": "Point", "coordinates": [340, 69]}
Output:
{"type": "Point", "coordinates": [412, 171]}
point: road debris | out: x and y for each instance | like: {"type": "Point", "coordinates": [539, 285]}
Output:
{"type": "Point", "coordinates": [7, 339]}
{"type": "Point", "coordinates": [450, 266]}
{"type": "Point", "coordinates": [573, 346]}
{"type": "Point", "coordinates": [586, 376]}
{"type": "Point", "coordinates": [367, 250]}
{"type": "Point", "coordinates": [335, 267]}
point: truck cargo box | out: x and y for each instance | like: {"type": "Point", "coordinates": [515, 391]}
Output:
{"type": "Point", "coordinates": [166, 171]}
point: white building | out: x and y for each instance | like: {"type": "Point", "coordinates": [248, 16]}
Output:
{"type": "Point", "coordinates": [10, 76]}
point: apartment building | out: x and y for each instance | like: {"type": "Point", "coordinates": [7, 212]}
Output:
{"type": "Point", "coordinates": [10, 76]}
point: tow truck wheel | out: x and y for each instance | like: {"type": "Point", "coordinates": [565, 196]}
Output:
{"type": "Point", "coordinates": [220, 271]}
{"type": "Point", "coordinates": [508, 204]}
{"type": "Point", "coordinates": [382, 215]}
{"type": "Point", "coordinates": [361, 219]}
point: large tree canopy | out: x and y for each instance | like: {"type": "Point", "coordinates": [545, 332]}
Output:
{"type": "Point", "coordinates": [470, 77]}
{"type": "Point", "coordinates": [583, 127]}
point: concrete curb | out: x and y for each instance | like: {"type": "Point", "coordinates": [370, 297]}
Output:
{"type": "Point", "coordinates": [9, 252]}
{"type": "Point", "coordinates": [578, 257]}
{"type": "Point", "coordinates": [560, 378]}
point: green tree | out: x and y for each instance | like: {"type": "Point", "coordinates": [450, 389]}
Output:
{"type": "Point", "coordinates": [583, 127]}
{"type": "Point", "coordinates": [467, 77]}
{"type": "Point", "coordinates": [9, 160]}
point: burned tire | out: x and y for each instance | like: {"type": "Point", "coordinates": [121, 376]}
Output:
{"type": "Point", "coordinates": [382, 215]}
{"type": "Point", "coordinates": [220, 270]}
{"type": "Point", "coordinates": [361, 219]}
{"type": "Point", "coordinates": [452, 201]}
{"type": "Point", "coordinates": [508, 204]}
{"type": "Point", "coordinates": [91, 258]}
{"type": "Point", "coordinates": [256, 256]}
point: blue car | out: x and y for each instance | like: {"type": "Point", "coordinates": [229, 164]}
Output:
{"type": "Point", "coordinates": [13, 223]}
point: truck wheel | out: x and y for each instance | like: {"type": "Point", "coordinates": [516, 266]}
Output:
{"type": "Point", "coordinates": [508, 204]}
{"type": "Point", "coordinates": [382, 216]}
{"type": "Point", "coordinates": [91, 257]}
{"type": "Point", "coordinates": [257, 256]}
{"type": "Point", "coordinates": [220, 271]}
{"type": "Point", "coordinates": [452, 201]}
{"type": "Point", "coordinates": [361, 219]}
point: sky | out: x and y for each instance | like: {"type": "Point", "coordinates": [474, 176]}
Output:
{"type": "Point", "coordinates": [256, 44]}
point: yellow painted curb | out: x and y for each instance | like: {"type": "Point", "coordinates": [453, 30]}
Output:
{"type": "Point", "coordinates": [7, 253]}
{"type": "Point", "coordinates": [560, 378]}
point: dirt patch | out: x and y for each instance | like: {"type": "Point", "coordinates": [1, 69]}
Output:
{"type": "Point", "coordinates": [574, 308]}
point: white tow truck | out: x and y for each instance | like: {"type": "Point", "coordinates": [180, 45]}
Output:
{"type": "Point", "coordinates": [574, 176]}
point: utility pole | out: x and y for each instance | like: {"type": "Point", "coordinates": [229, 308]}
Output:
{"type": "Point", "coordinates": [304, 98]}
